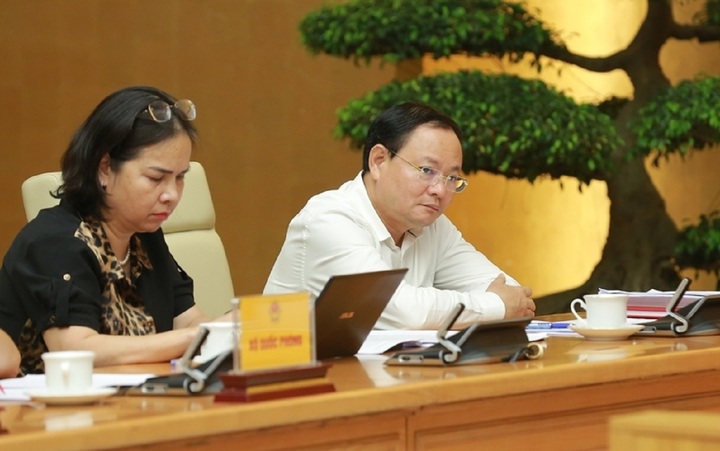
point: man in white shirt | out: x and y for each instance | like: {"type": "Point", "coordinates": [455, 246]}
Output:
{"type": "Point", "coordinates": [391, 216]}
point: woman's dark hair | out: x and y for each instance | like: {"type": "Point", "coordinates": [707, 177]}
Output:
{"type": "Point", "coordinates": [392, 127]}
{"type": "Point", "coordinates": [120, 126]}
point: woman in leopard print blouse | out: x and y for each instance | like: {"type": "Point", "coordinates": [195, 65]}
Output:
{"type": "Point", "coordinates": [94, 272]}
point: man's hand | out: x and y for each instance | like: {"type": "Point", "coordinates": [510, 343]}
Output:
{"type": "Point", "coordinates": [518, 302]}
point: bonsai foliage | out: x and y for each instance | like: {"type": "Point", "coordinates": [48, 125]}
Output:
{"type": "Point", "coordinates": [699, 246]}
{"type": "Point", "coordinates": [551, 136]}
{"type": "Point", "coordinates": [396, 30]}
{"type": "Point", "coordinates": [524, 129]}
{"type": "Point", "coordinates": [679, 119]}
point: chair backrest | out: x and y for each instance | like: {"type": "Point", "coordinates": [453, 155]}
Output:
{"type": "Point", "coordinates": [189, 232]}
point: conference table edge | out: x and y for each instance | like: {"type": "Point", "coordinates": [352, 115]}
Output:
{"type": "Point", "coordinates": [408, 396]}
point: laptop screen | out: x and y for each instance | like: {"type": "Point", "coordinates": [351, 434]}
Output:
{"type": "Point", "coordinates": [348, 307]}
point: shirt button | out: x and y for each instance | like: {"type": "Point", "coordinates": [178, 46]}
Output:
{"type": "Point", "coordinates": [67, 277]}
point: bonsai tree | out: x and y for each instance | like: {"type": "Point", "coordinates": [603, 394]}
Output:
{"type": "Point", "coordinates": [525, 129]}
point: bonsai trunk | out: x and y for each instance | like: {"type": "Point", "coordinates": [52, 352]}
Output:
{"type": "Point", "coordinates": [637, 253]}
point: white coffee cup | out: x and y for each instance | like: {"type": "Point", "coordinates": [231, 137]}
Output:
{"type": "Point", "coordinates": [603, 311]}
{"type": "Point", "coordinates": [220, 338]}
{"type": "Point", "coordinates": [68, 371]}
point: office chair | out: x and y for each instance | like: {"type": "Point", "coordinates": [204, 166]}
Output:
{"type": "Point", "coordinates": [189, 232]}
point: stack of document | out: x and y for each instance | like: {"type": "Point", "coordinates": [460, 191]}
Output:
{"type": "Point", "coordinates": [653, 303]}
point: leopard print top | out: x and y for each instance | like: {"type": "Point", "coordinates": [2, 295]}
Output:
{"type": "Point", "coordinates": [123, 312]}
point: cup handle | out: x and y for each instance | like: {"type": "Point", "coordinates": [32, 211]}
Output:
{"type": "Point", "coordinates": [65, 371]}
{"type": "Point", "coordinates": [581, 303]}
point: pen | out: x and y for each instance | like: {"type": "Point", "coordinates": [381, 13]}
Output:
{"type": "Point", "coordinates": [545, 326]}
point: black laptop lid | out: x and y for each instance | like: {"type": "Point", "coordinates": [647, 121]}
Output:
{"type": "Point", "coordinates": [348, 307]}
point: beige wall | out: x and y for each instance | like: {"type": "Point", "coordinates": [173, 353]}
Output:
{"type": "Point", "coordinates": [266, 110]}
{"type": "Point", "coordinates": [265, 106]}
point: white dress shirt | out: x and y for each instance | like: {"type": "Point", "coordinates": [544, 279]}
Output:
{"type": "Point", "coordinates": [339, 232]}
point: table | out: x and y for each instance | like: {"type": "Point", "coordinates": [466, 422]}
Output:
{"type": "Point", "coordinates": [562, 401]}
{"type": "Point", "coordinates": [662, 430]}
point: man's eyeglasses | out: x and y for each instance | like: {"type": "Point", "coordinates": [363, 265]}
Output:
{"type": "Point", "coordinates": [161, 111]}
{"type": "Point", "coordinates": [432, 176]}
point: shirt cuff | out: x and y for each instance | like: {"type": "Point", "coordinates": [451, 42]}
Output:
{"type": "Point", "coordinates": [489, 305]}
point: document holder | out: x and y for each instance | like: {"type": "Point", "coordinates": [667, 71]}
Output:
{"type": "Point", "coordinates": [702, 317]}
{"type": "Point", "coordinates": [481, 342]}
{"type": "Point", "coordinates": [202, 379]}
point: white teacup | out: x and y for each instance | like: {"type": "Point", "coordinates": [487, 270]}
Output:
{"type": "Point", "coordinates": [68, 371]}
{"type": "Point", "coordinates": [220, 338]}
{"type": "Point", "coordinates": [603, 311]}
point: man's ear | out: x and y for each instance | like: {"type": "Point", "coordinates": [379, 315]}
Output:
{"type": "Point", "coordinates": [379, 155]}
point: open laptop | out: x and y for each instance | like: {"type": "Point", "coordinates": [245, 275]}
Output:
{"type": "Point", "coordinates": [345, 312]}
{"type": "Point", "coordinates": [348, 307]}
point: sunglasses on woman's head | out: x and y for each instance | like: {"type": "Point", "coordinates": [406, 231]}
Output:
{"type": "Point", "coordinates": [161, 111]}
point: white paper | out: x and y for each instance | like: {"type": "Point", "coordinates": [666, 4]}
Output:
{"type": "Point", "coordinates": [15, 388]}
{"type": "Point", "coordinates": [658, 299]}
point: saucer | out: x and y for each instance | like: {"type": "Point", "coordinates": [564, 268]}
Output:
{"type": "Point", "coordinates": [70, 399]}
{"type": "Point", "coordinates": [620, 333]}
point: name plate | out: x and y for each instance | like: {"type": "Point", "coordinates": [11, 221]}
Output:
{"type": "Point", "coordinates": [276, 331]}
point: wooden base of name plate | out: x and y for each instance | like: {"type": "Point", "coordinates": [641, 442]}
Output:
{"type": "Point", "coordinates": [276, 383]}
